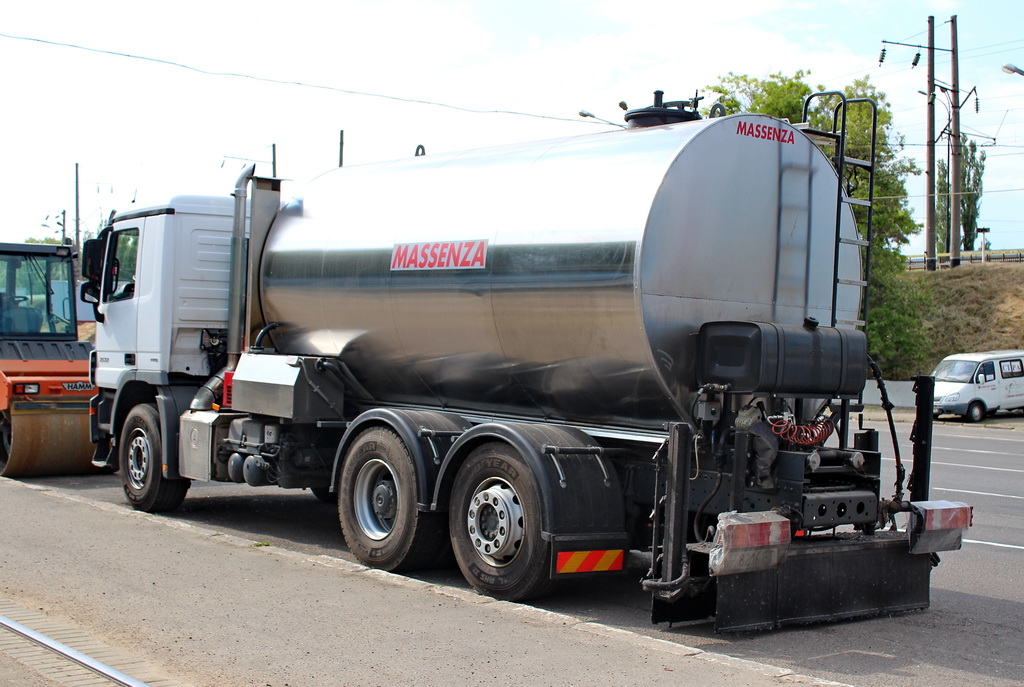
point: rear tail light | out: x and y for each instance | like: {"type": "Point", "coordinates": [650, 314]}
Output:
{"type": "Point", "coordinates": [745, 542]}
{"type": "Point", "coordinates": [938, 525]}
{"type": "Point", "coordinates": [26, 389]}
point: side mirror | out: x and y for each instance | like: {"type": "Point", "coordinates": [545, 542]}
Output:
{"type": "Point", "coordinates": [92, 258]}
{"type": "Point", "coordinates": [90, 292]}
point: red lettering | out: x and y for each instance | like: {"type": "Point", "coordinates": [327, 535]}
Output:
{"type": "Point", "coordinates": [400, 256]}
{"type": "Point", "coordinates": [436, 255]}
{"type": "Point", "coordinates": [480, 256]}
{"type": "Point", "coordinates": [766, 132]}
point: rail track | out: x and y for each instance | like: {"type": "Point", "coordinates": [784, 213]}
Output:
{"type": "Point", "coordinates": [72, 666]}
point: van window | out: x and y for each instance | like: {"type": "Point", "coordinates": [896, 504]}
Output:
{"type": "Point", "coordinates": [1011, 368]}
{"type": "Point", "coordinates": [987, 372]}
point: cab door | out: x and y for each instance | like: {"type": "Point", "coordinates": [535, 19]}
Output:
{"type": "Point", "coordinates": [987, 384]}
{"type": "Point", "coordinates": [117, 340]}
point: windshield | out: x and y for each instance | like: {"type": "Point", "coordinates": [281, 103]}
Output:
{"type": "Point", "coordinates": [36, 296]}
{"type": "Point", "coordinates": [955, 371]}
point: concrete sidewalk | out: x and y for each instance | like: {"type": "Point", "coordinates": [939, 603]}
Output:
{"type": "Point", "coordinates": [213, 609]}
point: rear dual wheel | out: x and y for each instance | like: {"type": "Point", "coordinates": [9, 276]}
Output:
{"type": "Point", "coordinates": [377, 506]}
{"type": "Point", "coordinates": [495, 523]}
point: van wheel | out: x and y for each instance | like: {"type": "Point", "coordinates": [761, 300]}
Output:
{"type": "Point", "coordinates": [975, 412]}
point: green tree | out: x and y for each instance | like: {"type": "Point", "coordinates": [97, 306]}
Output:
{"type": "Point", "coordinates": [972, 168]}
{"type": "Point", "coordinates": [779, 95]}
{"type": "Point", "coordinates": [942, 215]}
{"type": "Point", "coordinates": [50, 240]}
{"type": "Point", "coordinates": [895, 333]}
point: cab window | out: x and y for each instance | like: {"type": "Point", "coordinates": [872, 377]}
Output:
{"type": "Point", "coordinates": [987, 372]}
{"type": "Point", "coordinates": [122, 259]}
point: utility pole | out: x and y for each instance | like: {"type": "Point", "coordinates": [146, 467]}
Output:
{"type": "Point", "coordinates": [954, 166]}
{"type": "Point", "coordinates": [78, 238]}
{"type": "Point", "coordinates": [929, 172]}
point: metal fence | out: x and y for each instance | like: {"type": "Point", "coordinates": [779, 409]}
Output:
{"type": "Point", "coordinates": [917, 262]}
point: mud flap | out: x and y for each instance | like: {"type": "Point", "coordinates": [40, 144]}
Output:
{"type": "Point", "coordinates": [826, 579]}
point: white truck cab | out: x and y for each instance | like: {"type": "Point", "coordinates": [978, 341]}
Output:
{"type": "Point", "coordinates": [974, 385]}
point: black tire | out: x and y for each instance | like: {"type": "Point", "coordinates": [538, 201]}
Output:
{"type": "Point", "coordinates": [975, 412]}
{"type": "Point", "coordinates": [495, 523]}
{"type": "Point", "coordinates": [377, 506]}
{"type": "Point", "coordinates": [141, 460]}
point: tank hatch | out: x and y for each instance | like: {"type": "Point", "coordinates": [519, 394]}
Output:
{"type": "Point", "coordinates": [663, 112]}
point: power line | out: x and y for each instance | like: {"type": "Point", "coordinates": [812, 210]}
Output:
{"type": "Point", "coordinates": [286, 82]}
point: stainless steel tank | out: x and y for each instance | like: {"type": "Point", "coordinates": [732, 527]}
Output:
{"type": "Point", "coordinates": [562, 279]}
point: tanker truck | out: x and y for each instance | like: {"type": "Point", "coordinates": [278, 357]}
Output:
{"type": "Point", "coordinates": [546, 359]}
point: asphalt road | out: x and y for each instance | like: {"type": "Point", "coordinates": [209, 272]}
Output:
{"type": "Point", "coordinates": [972, 634]}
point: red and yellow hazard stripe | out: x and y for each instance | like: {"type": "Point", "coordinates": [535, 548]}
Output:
{"type": "Point", "coordinates": [589, 561]}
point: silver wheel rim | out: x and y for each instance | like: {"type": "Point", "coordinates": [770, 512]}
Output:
{"type": "Point", "coordinates": [375, 499]}
{"type": "Point", "coordinates": [138, 459]}
{"type": "Point", "coordinates": [494, 521]}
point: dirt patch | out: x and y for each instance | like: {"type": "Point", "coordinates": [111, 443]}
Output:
{"type": "Point", "coordinates": [973, 308]}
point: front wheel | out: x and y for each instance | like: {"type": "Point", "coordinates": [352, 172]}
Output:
{"type": "Point", "coordinates": [495, 523]}
{"type": "Point", "coordinates": [975, 412]}
{"type": "Point", "coordinates": [377, 506]}
{"type": "Point", "coordinates": [140, 456]}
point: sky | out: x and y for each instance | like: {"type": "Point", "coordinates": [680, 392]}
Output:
{"type": "Point", "coordinates": [163, 99]}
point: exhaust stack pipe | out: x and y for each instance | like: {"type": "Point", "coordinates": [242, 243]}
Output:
{"type": "Point", "coordinates": [239, 266]}
{"type": "Point", "coordinates": [210, 392]}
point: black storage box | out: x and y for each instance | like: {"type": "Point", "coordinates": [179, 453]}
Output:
{"type": "Point", "coordinates": [762, 357]}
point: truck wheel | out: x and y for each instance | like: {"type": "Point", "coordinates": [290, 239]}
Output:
{"type": "Point", "coordinates": [140, 455]}
{"type": "Point", "coordinates": [495, 524]}
{"type": "Point", "coordinates": [377, 506]}
{"type": "Point", "coordinates": [975, 412]}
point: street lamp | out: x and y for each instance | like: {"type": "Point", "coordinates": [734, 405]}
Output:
{"type": "Point", "coordinates": [983, 232]}
{"type": "Point", "coordinates": [1012, 69]}
{"type": "Point", "coordinates": [585, 113]}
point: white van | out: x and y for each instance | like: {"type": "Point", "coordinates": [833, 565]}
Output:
{"type": "Point", "coordinates": [977, 384]}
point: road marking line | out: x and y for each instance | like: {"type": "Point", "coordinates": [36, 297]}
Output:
{"type": "Point", "coordinates": [976, 450]}
{"type": "Point", "coordinates": [980, 493]}
{"type": "Point", "coordinates": [992, 543]}
{"type": "Point", "coordinates": [962, 465]}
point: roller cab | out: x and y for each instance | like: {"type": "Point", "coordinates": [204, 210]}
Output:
{"type": "Point", "coordinates": [44, 369]}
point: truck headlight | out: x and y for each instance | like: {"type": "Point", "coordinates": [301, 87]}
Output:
{"type": "Point", "coordinates": [949, 398]}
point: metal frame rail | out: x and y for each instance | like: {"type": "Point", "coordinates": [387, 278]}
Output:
{"type": "Point", "coordinates": [87, 662]}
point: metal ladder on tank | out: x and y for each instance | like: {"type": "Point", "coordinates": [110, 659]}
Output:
{"type": "Point", "coordinates": [837, 137]}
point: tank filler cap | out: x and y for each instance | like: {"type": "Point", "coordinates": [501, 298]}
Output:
{"type": "Point", "coordinates": [811, 322]}
{"type": "Point", "coordinates": [664, 112]}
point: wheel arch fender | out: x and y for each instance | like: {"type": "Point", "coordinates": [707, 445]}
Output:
{"type": "Point", "coordinates": [427, 436]}
{"type": "Point", "coordinates": [170, 402]}
{"type": "Point", "coordinates": [579, 490]}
